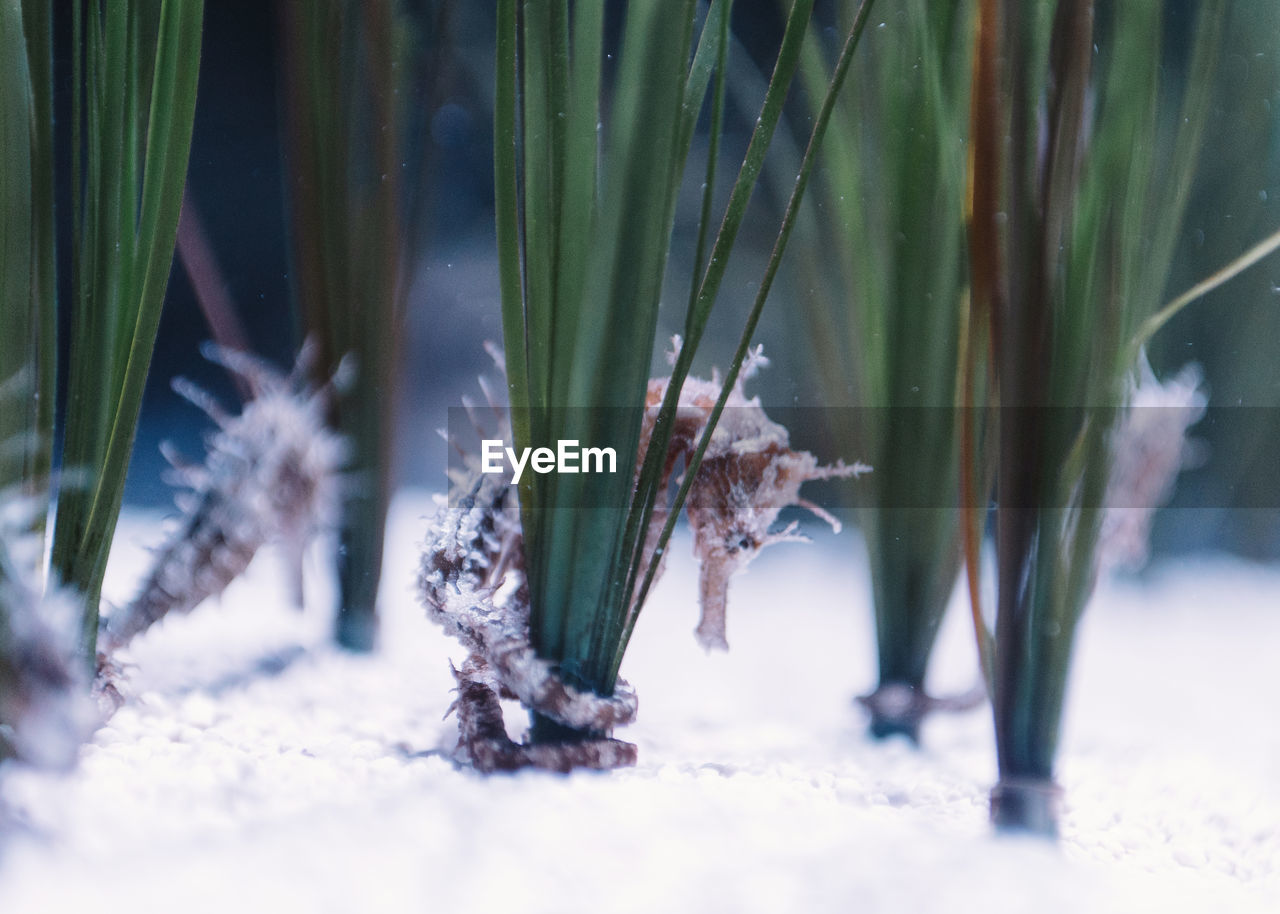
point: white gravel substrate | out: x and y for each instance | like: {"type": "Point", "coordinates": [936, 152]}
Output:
{"type": "Point", "coordinates": [257, 769]}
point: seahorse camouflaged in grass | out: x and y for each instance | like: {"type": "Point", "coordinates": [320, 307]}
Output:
{"type": "Point", "coordinates": [471, 579]}
{"type": "Point", "coordinates": [271, 475]}
{"type": "Point", "coordinates": [472, 582]}
{"type": "Point", "coordinates": [748, 475]}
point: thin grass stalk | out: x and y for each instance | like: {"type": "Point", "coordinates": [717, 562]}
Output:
{"type": "Point", "coordinates": [1072, 218]}
{"type": "Point", "coordinates": [986, 295]}
{"type": "Point", "coordinates": [344, 72]}
{"type": "Point", "coordinates": [506, 193]}
{"type": "Point", "coordinates": [135, 87]}
{"type": "Point", "coordinates": [1152, 325]}
{"type": "Point", "coordinates": [721, 31]}
{"type": "Point", "coordinates": [38, 27]}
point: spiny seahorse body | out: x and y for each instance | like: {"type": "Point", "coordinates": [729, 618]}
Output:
{"type": "Point", "coordinates": [748, 474]}
{"type": "Point", "coordinates": [271, 474]}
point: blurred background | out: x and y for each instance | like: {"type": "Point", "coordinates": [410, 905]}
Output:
{"type": "Point", "coordinates": [238, 178]}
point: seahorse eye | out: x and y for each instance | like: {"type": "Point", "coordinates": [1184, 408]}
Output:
{"type": "Point", "coordinates": [743, 543]}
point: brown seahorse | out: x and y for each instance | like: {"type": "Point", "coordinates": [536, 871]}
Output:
{"type": "Point", "coordinates": [748, 474]}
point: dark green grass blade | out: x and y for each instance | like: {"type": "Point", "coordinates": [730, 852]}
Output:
{"type": "Point", "coordinates": [345, 71]}
{"type": "Point", "coordinates": [27, 285]}
{"type": "Point", "coordinates": [895, 189]}
{"type": "Point", "coordinates": [544, 98]}
{"type": "Point", "coordinates": [38, 23]}
{"type": "Point", "coordinates": [115, 322]}
{"type": "Point", "coordinates": [715, 28]}
{"type": "Point", "coordinates": [506, 140]}
{"type": "Point", "coordinates": [18, 244]}
{"type": "Point", "coordinates": [374, 319]}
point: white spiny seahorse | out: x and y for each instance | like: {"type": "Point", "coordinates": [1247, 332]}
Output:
{"type": "Point", "coordinates": [272, 474]}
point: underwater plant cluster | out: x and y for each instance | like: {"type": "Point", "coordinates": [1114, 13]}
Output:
{"type": "Point", "coordinates": [977, 210]}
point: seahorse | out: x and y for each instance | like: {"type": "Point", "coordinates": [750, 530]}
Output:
{"type": "Point", "coordinates": [272, 474]}
{"type": "Point", "coordinates": [748, 474]}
